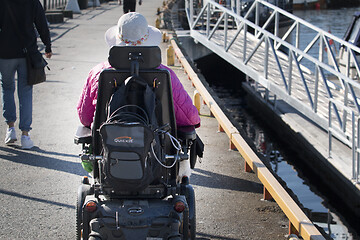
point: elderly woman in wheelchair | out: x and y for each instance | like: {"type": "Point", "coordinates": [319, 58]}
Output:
{"type": "Point", "coordinates": [138, 134]}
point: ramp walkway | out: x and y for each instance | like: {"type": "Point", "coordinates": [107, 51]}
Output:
{"type": "Point", "coordinates": [291, 73]}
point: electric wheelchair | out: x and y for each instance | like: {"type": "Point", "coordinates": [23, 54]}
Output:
{"type": "Point", "coordinates": [133, 153]}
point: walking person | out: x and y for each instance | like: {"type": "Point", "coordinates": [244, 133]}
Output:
{"type": "Point", "coordinates": [27, 14]}
{"type": "Point", "coordinates": [130, 5]}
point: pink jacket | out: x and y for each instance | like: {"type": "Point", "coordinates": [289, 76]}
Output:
{"type": "Point", "coordinates": [186, 113]}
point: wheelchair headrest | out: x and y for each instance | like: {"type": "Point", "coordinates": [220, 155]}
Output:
{"type": "Point", "coordinates": [120, 57]}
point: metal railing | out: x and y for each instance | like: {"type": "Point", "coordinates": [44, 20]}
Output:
{"type": "Point", "coordinates": [354, 142]}
{"type": "Point", "coordinates": [54, 4]}
{"type": "Point", "coordinates": [308, 73]}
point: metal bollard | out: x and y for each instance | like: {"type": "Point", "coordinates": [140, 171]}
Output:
{"type": "Point", "coordinates": [157, 22]}
{"type": "Point", "coordinates": [293, 237]}
{"type": "Point", "coordinates": [196, 100]}
{"type": "Point", "coordinates": [170, 56]}
{"type": "Point", "coordinates": [164, 37]}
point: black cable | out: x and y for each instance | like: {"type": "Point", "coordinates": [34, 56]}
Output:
{"type": "Point", "coordinates": [121, 114]}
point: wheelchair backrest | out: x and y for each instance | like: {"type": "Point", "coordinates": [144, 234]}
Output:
{"type": "Point", "coordinates": [141, 61]}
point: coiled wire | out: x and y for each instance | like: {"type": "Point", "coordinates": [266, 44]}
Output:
{"type": "Point", "coordinates": [176, 144]}
{"type": "Point", "coordinates": [122, 115]}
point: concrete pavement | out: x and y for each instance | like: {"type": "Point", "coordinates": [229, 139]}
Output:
{"type": "Point", "coordinates": [38, 187]}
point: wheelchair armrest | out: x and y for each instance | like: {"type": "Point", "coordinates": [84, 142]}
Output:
{"type": "Point", "coordinates": [196, 146]}
{"type": "Point", "coordinates": [83, 135]}
{"type": "Point", "coordinates": [186, 133]}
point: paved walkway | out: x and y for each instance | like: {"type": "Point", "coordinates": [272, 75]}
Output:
{"type": "Point", "coordinates": [228, 199]}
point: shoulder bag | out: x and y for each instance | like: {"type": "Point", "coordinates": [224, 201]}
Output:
{"type": "Point", "coordinates": [34, 60]}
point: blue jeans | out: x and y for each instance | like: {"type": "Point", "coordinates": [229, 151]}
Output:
{"type": "Point", "coordinates": [8, 68]}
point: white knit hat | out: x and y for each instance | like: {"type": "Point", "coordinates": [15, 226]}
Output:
{"type": "Point", "coordinates": [133, 30]}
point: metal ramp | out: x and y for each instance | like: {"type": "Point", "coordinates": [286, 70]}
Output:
{"type": "Point", "coordinates": [268, 45]}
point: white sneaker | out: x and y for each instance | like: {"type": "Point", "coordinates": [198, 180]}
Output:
{"type": "Point", "coordinates": [10, 136]}
{"type": "Point", "coordinates": [26, 142]}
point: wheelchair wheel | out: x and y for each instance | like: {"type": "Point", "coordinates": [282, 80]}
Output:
{"type": "Point", "coordinates": [192, 227]}
{"type": "Point", "coordinates": [185, 226]}
{"type": "Point", "coordinates": [84, 189]}
{"type": "Point", "coordinates": [94, 238]}
{"type": "Point", "coordinates": [192, 213]}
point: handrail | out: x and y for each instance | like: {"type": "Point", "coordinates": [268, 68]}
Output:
{"type": "Point", "coordinates": [355, 145]}
{"type": "Point", "coordinates": [300, 73]}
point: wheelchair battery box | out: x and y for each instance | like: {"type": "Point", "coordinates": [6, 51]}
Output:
{"type": "Point", "coordinates": [150, 219]}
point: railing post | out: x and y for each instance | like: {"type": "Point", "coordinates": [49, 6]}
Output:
{"type": "Point", "coordinates": [321, 58]}
{"type": "Point", "coordinates": [187, 12]}
{"type": "Point", "coordinates": [245, 39]}
{"type": "Point", "coordinates": [297, 37]}
{"type": "Point", "coordinates": [257, 15]}
{"type": "Point", "coordinates": [191, 12]}
{"type": "Point", "coordinates": [44, 4]}
{"type": "Point", "coordinates": [266, 58]}
{"type": "Point", "coordinates": [346, 94]}
{"type": "Point", "coordinates": [208, 19]}
{"type": "Point", "coordinates": [276, 30]}
{"type": "Point", "coordinates": [329, 130]}
{"type": "Point", "coordinates": [226, 30]}
{"type": "Point", "coordinates": [238, 7]}
{"type": "Point", "coordinates": [348, 62]}
{"type": "Point", "coordinates": [354, 172]}
{"type": "Point", "coordinates": [316, 88]}
{"type": "Point", "coordinates": [358, 151]}
{"type": "Point", "coordinates": [290, 71]}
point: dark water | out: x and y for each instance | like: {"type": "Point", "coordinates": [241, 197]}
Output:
{"type": "Point", "coordinates": [335, 21]}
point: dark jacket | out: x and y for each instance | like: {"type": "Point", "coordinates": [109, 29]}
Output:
{"type": "Point", "coordinates": [28, 13]}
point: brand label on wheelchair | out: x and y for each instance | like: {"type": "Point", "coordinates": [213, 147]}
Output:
{"type": "Point", "coordinates": [124, 136]}
{"type": "Point", "coordinates": [124, 139]}
{"type": "Point", "coordinates": [135, 211]}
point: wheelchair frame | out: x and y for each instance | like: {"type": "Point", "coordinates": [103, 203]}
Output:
{"type": "Point", "coordinates": [176, 198]}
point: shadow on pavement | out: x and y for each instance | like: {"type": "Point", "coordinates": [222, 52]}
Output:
{"type": "Point", "coordinates": [29, 157]}
{"type": "Point", "coordinates": [208, 179]}
{"type": "Point", "coordinates": [14, 194]}
{"type": "Point", "coordinates": [204, 236]}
